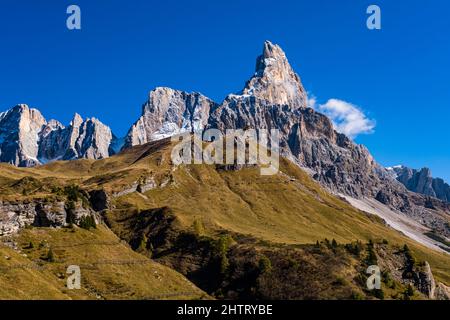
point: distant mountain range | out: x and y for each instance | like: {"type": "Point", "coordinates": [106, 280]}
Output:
{"type": "Point", "coordinates": [27, 139]}
{"type": "Point", "coordinates": [421, 181]}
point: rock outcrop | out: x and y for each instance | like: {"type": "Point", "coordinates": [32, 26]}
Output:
{"type": "Point", "coordinates": [17, 215]}
{"type": "Point", "coordinates": [442, 292]}
{"type": "Point", "coordinates": [425, 281]}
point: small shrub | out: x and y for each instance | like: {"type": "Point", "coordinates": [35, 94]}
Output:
{"type": "Point", "coordinates": [361, 279]}
{"type": "Point", "coordinates": [378, 293]}
{"type": "Point", "coordinates": [87, 222]}
{"type": "Point", "coordinates": [371, 256]}
{"type": "Point", "coordinates": [409, 256]}
{"type": "Point", "coordinates": [198, 227]}
{"type": "Point", "coordinates": [409, 291]}
{"type": "Point", "coordinates": [264, 265]}
{"type": "Point", "coordinates": [357, 296]}
{"type": "Point", "coordinates": [340, 281]}
{"type": "Point", "coordinates": [74, 193]}
{"type": "Point", "coordinates": [143, 244]}
{"type": "Point", "coordinates": [387, 279]}
{"type": "Point", "coordinates": [354, 248]}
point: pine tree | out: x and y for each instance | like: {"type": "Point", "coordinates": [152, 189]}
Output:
{"type": "Point", "coordinates": [334, 243]}
{"type": "Point", "coordinates": [50, 255]}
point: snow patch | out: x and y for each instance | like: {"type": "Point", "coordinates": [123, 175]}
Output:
{"type": "Point", "coordinates": [167, 130]}
{"type": "Point", "coordinates": [396, 220]}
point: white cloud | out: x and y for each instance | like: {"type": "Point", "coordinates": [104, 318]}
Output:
{"type": "Point", "coordinates": [347, 117]}
{"type": "Point", "coordinates": [311, 102]}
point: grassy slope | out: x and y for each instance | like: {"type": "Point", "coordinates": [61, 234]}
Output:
{"type": "Point", "coordinates": [273, 208]}
{"type": "Point", "coordinates": [109, 268]}
{"type": "Point", "coordinates": [26, 283]}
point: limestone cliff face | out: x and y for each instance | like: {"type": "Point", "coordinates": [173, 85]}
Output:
{"type": "Point", "coordinates": [27, 139]}
{"type": "Point", "coordinates": [17, 215]}
{"type": "Point", "coordinates": [274, 81]}
{"type": "Point", "coordinates": [168, 112]}
{"type": "Point", "coordinates": [421, 181]}
{"type": "Point", "coordinates": [19, 130]}
{"type": "Point", "coordinates": [88, 138]}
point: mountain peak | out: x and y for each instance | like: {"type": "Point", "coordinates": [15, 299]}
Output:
{"type": "Point", "coordinates": [426, 172]}
{"type": "Point", "coordinates": [270, 53]}
{"type": "Point", "coordinates": [77, 120]}
{"type": "Point", "coordinates": [422, 181]}
{"type": "Point", "coordinates": [19, 128]}
{"type": "Point", "coordinates": [168, 112]}
{"type": "Point", "coordinates": [55, 124]}
{"type": "Point", "coordinates": [275, 82]}
{"type": "Point", "coordinates": [21, 107]}
{"type": "Point", "coordinates": [25, 110]}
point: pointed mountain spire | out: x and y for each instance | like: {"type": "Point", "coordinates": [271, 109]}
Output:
{"type": "Point", "coordinates": [76, 121]}
{"type": "Point", "coordinates": [274, 81]}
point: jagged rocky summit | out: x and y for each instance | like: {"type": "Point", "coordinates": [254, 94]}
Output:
{"type": "Point", "coordinates": [27, 139]}
{"type": "Point", "coordinates": [421, 181]}
{"type": "Point", "coordinates": [168, 112]}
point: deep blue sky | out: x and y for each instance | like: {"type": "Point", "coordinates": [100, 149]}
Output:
{"type": "Point", "coordinates": [399, 76]}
